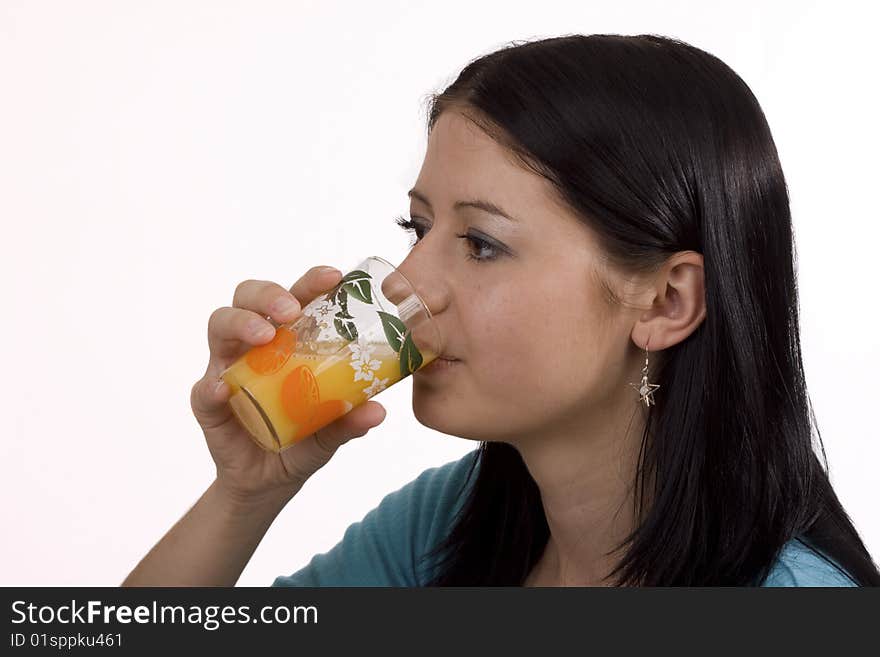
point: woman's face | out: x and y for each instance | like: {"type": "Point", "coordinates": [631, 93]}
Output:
{"type": "Point", "coordinates": [538, 347]}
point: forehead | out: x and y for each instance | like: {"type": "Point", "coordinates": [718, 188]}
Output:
{"type": "Point", "coordinates": [463, 162]}
{"type": "Point", "coordinates": [462, 157]}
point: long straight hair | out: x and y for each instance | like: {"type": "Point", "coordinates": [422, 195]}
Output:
{"type": "Point", "coordinates": [660, 147]}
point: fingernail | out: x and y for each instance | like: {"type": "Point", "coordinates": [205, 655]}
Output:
{"type": "Point", "coordinates": [219, 387]}
{"type": "Point", "coordinates": [261, 330]}
{"type": "Point", "coordinates": [324, 269]}
{"type": "Point", "coordinates": [285, 306]}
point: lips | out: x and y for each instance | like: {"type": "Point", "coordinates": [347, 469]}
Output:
{"type": "Point", "coordinates": [440, 364]}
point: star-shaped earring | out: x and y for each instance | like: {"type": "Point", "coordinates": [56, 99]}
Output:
{"type": "Point", "coordinates": [645, 389]}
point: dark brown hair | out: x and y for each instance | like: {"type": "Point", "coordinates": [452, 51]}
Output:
{"type": "Point", "coordinates": [660, 147]}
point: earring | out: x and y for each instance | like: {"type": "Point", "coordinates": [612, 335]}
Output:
{"type": "Point", "coordinates": [645, 389]}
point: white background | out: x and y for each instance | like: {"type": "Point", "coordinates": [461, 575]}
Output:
{"type": "Point", "coordinates": [155, 154]}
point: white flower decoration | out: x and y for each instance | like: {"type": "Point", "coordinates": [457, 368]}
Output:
{"type": "Point", "coordinates": [378, 385]}
{"type": "Point", "coordinates": [364, 368]}
{"type": "Point", "coordinates": [361, 350]}
{"type": "Point", "coordinates": [326, 309]}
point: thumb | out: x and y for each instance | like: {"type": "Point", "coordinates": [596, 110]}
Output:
{"type": "Point", "coordinates": [354, 424]}
{"type": "Point", "coordinates": [305, 457]}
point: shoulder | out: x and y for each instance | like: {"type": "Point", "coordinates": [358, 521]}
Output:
{"type": "Point", "coordinates": [431, 502]}
{"type": "Point", "coordinates": [386, 547]}
{"type": "Point", "coordinates": [800, 564]}
{"type": "Point", "coordinates": [437, 491]}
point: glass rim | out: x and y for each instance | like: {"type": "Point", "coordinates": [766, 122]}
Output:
{"type": "Point", "coordinates": [440, 342]}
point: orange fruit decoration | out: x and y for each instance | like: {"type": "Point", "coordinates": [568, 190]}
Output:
{"type": "Point", "coordinates": [325, 413]}
{"type": "Point", "coordinates": [270, 357]}
{"type": "Point", "coordinates": [300, 395]}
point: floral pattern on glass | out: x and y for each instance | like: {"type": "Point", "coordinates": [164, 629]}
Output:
{"type": "Point", "coordinates": [357, 284]}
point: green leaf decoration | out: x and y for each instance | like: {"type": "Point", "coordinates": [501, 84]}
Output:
{"type": "Point", "coordinates": [410, 358]}
{"type": "Point", "coordinates": [395, 330]}
{"type": "Point", "coordinates": [342, 301]}
{"type": "Point", "coordinates": [354, 274]}
{"type": "Point", "coordinates": [347, 330]}
{"type": "Point", "coordinates": [331, 295]}
{"type": "Point", "coordinates": [357, 283]}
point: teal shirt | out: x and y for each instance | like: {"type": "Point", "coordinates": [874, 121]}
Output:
{"type": "Point", "coordinates": [384, 548]}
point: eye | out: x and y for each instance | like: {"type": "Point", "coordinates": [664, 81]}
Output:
{"type": "Point", "coordinates": [409, 225]}
{"type": "Point", "coordinates": [480, 244]}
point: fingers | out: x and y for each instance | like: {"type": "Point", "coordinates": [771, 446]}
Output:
{"type": "Point", "coordinates": [229, 327]}
{"type": "Point", "coordinates": [267, 299]}
{"type": "Point", "coordinates": [233, 329]}
{"type": "Point", "coordinates": [315, 281]}
{"type": "Point", "coordinates": [256, 304]}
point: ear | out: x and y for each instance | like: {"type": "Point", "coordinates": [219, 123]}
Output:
{"type": "Point", "coordinates": [677, 300]}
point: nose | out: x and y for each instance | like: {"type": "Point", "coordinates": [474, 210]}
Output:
{"type": "Point", "coordinates": [419, 295]}
{"type": "Point", "coordinates": [426, 281]}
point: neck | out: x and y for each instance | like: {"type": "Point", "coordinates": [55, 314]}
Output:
{"type": "Point", "coordinates": [586, 475]}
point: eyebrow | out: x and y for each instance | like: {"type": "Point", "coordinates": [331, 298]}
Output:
{"type": "Point", "coordinates": [486, 206]}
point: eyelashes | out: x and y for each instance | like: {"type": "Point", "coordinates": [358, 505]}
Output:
{"type": "Point", "coordinates": [480, 245]}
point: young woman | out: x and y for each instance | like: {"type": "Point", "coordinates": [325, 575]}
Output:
{"type": "Point", "coordinates": [609, 224]}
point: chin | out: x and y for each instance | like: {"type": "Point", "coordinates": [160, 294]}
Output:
{"type": "Point", "coordinates": [435, 410]}
{"type": "Point", "coordinates": [444, 419]}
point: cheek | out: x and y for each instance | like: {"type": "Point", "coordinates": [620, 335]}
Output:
{"type": "Point", "coordinates": [531, 358]}
{"type": "Point", "coordinates": [536, 347]}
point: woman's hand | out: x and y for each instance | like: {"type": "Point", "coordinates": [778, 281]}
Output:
{"type": "Point", "coordinates": [246, 472]}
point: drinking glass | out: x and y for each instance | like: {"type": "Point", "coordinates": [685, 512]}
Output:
{"type": "Point", "coordinates": [369, 332]}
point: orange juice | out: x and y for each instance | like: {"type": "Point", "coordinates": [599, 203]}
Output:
{"type": "Point", "coordinates": [282, 393]}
